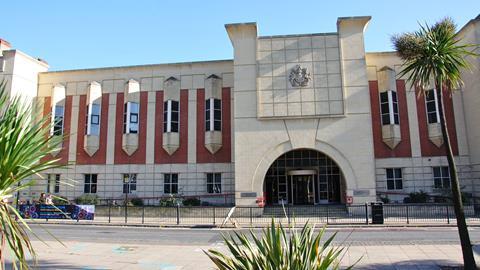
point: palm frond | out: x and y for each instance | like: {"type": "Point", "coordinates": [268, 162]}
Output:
{"type": "Point", "coordinates": [25, 148]}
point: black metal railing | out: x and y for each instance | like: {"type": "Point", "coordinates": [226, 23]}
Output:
{"type": "Point", "coordinates": [260, 216]}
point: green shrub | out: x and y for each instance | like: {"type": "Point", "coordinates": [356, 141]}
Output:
{"type": "Point", "coordinates": [278, 249]}
{"type": "Point", "coordinates": [89, 199]}
{"type": "Point", "coordinates": [60, 200]}
{"type": "Point", "coordinates": [417, 197]}
{"type": "Point", "coordinates": [385, 199]}
{"type": "Point", "coordinates": [137, 202]}
{"type": "Point", "coordinates": [169, 201]}
{"type": "Point", "coordinates": [191, 202]}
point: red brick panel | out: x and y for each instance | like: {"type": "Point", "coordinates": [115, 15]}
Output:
{"type": "Point", "coordinates": [67, 116]}
{"type": "Point", "coordinates": [428, 148]}
{"type": "Point", "coordinates": [181, 155]}
{"type": "Point", "coordinates": [403, 149]}
{"type": "Point", "coordinates": [138, 157]}
{"type": "Point", "coordinates": [100, 156]}
{"type": "Point", "coordinates": [224, 154]}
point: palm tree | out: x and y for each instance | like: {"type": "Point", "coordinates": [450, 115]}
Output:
{"type": "Point", "coordinates": [434, 58]}
{"type": "Point", "coordinates": [24, 146]}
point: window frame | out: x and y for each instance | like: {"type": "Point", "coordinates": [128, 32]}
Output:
{"type": "Point", "coordinates": [392, 105]}
{"type": "Point", "coordinates": [58, 120]}
{"type": "Point", "coordinates": [170, 125]}
{"type": "Point", "coordinates": [210, 114]}
{"type": "Point", "coordinates": [90, 183]}
{"type": "Point", "coordinates": [129, 186]}
{"type": "Point", "coordinates": [428, 100]}
{"type": "Point", "coordinates": [396, 180]}
{"type": "Point", "coordinates": [53, 181]}
{"type": "Point", "coordinates": [170, 183]}
{"type": "Point", "coordinates": [90, 123]}
{"type": "Point", "coordinates": [129, 126]}
{"type": "Point", "coordinates": [441, 181]}
{"type": "Point", "coordinates": [214, 183]}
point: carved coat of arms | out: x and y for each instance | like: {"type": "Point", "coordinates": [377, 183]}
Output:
{"type": "Point", "coordinates": [299, 76]}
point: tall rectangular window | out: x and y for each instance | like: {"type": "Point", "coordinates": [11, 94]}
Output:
{"type": "Point", "coordinates": [58, 121]}
{"type": "Point", "coordinates": [90, 183]}
{"type": "Point", "coordinates": [170, 183]}
{"type": "Point", "coordinates": [389, 108]}
{"type": "Point", "coordinates": [441, 177]}
{"type": "Point", "coordinates": [93, 120]}
{"type": "Point", "coordinates": [131, 117]}
{"type": "Point", "coordinates": [53, 183]}
{"type": "Point", "coordinates": [170, 116]}
{"type": "Point", "coordinates": [394, 178]}
{"type": "Point", "coordinates": [214, 183]}
{"type": "Point", "coordinates": [431, 102]}
{"type": "Point", "coordinates": [129, 183]}
{"type": "Point", "coordinates": [213, 114]}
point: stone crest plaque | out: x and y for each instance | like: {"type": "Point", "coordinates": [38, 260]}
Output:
{"type": "Point", "coordinates": [299, 77]}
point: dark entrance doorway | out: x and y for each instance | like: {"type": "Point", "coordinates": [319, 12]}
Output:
{"type": "Point", "coordinates": [304, 177]}
{"type": "Point", "coordinates": [303, 190]}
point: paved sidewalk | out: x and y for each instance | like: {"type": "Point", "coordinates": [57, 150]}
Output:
{"type": "Point", "coordinates": [82, 255]}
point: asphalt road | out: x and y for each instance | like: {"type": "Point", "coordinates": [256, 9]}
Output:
{"type": "Point", "coordinates": [179, 236]}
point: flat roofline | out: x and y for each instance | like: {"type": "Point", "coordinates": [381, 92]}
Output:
{"type": "Point", "coordinates": [139, 66]}
{"type": "Point", "coordinates": [299, 35]}
{"type": "Point", "coordinates": [240, 24]}
{"type": "Point", "coordinates": [384, 52]}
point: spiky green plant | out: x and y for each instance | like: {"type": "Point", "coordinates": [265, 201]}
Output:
{"type": "Point", "coordinates": [24, 145]}
{"type": "Point", "coordinates": [434, 57]}
{"type": "Point", "coordinates": [279, 249]}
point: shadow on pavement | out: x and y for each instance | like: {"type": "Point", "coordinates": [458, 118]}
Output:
{"type": "Point", "coordinates": [413, 264]}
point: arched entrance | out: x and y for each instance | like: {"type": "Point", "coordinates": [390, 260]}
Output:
{"type": "Point", "coordinates": [303, 177]}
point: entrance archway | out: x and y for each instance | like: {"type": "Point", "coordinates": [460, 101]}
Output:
{"type": "Point", "coordinates": [304, 177]}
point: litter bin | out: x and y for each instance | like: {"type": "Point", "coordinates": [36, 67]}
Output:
{"type": "Point", "coordinates": [377, 212]}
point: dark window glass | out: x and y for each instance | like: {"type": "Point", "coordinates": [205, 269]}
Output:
{"type": "Point", "coordinates": [58, 121]}
{"type": "Point", "coordinates": [90, 185]}
{"type": "Point", "coordinates": [129, 183]}
{"type": "Point", "coordinates": [430, 103]}
{"type": "Point", "coordinates": [441, 177]}
{"type": "Point", "coordinates": [170, 183]}
{"type": "Point", "coordinates": [394, 178]}
{"type": "Point", "coordinates": [214, 183]}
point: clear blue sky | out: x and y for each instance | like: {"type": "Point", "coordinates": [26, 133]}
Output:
{"type": "Point", "coordinates": [98, 33]}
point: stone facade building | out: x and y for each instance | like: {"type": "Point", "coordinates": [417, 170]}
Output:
{"type": "Point", "coordinates": [303, 119]}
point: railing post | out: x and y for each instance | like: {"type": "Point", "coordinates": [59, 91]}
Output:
{"type": "Point", "coordinates": [366, 213]}
{"type": "Point", "coordinates": [178, 214]}
{"type": "Point", "coordinates": [327, 214]}
{"type": "Point", "coordinates": [288, 214]}
{"type": "Point", "coordinates": [143, 215]}
{"type": "Point", "coordinates": [214, 215]}
{"type": "Point", "coordinates": [109, 210]}
{"type": "Point", "coordinates": [448, 215]}
{"type": "Point", "coordinates": [408, 218]}
{"type": "Point", "coordinates": [251, 217]}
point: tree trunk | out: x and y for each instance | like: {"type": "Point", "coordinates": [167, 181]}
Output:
{"type": "Point", "coordinates": [468, 258]}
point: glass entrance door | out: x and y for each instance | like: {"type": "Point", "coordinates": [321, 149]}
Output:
{"type": "Point", "coordinates": [303, 189]}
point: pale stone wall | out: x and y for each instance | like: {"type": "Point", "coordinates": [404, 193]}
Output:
{"type": "Point", "coordinates": [278, 55]}
{"type": "Point", "coordinates": [347, 139]}
{"type": "Point", "coordinates": [192, 180]}
{"type": "Point", "coordinates": [20, 71]}
{"type": "Point", "coordinates": [470, 95]}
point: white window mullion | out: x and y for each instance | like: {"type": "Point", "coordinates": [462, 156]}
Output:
{"type": "Point", "coordinates": [212, 110]}
{"type": "Point", "coordinates": [169, 115]}
{"type": "Point", "coordinates": [391, 115]}
{"type": "Point", "coordinates": [89, 119]}
{"type": "Point", "coordinates": [436, 105]}
{"type": "Point", "coordinates": [128, 118]}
